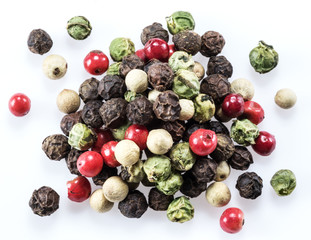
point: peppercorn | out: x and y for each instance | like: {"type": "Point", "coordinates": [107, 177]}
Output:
{"type": "Point", "coordinates": [114, 69]}
{"type": "Point", "coordinates": [187, 109]}
{"type": "Point", "coordinates": [140, 111]}
{"type": "Point", "coordinates": [99, 203]}
{"type": "Point", "coordinates": [181, 60]}
{"type": "Point", "coordinates": [121, 47]}
{"type": "Point", "coordinates": [115, 189]}
{"type": "Point", "coordinates": [241, 158]}
{"type": "Point", "coordinates": [39, 41]}
{"type": "Point", "coordinates": [71, 161]}
{"type": "Point", "coordinates": [180, 21]}
{"type": "Point", "coordinates": [220, 116]}
{"type": "Point", "coordinates": [152, 95]}
{"type": "Point", "coordinates": [44, 201]}
{"type": "Point", "coordinates": [219, 65]}
{"type": "Point", "coordinates": [127, 152]}
{"type": "Point", "coordinates": [159, 201]}
{"type": "Point", "coordinates": [188, 41]}
{"type": "Point", "coordinates": [180, 210]}
{"type": "Point", "coordinates": [104, 174]}
{"type": "Point", "coordinates": [81, 137]}
{"type": "Point", "coordinates": [224, 148]}
{"type": "Point", "coordinates": [243, 87]}
{"type": "Point", "coordinates": [79, 27]}
{"type": "Point", "coordinates": [176, 129]}
{"type": "Point", "coordinates": [90, 114]}
{"type": "Point", "coordinates": [68, 101]}
{"type": "Point", "coordinates": [136, 81]}
{"type": "Point", "coordinates": [129, 63]}
{"type": "Point", "coordinates": [204, 108]}
{"type": "Point", "coordinates": [130, 95]}
{"type": "Point", "coordinates": [134, 205]}
{"type": "Point", "coordinates": [118, 133]}
{"type": "Point", "coordinates": [212, 43]}
{"type": "Point", "coordinates": [222, 171]}
{"type": "Point", "coordinates": [217, 127]}
{"type": "Point", "coordinates": [204, 170]}
{"type": "Point", "coordinates": [182, 157]}
{"type": "Point", "coordinates": [249, 185]}
{"type": "Point", "coordinates": [217, 86]}
{"type": "Point", "coordinates": [170, 185]}
{"type": "Point", "coordinates": [244, 132]}
{"type": "Point", "coordinates": [199, 70]}
{"type": "Point", "coordinates": [113, 112]}
{"type": "Point", "coordinates": [191, 187]}
{"type": "Point", "coordinates": [186, 84]}
{"type": "Point", "coordinates": [54, 66]}
{"type": "Point", "coordinates": [146, 182]}
{"type": "Point", "coordinates": [134, 173]}
{"type": "Point", "coordinates": [56, 146]}
{"type": "Point", "coordinates": [150, 63]}
{"type": "Point", "coordinates": [157, 168]}
{"type": "Point", "coordinates": [69, 120]}
{"type": "Point", "coordinates": [111, 86]}
{"type": "Point", "coordinates": [166, 106]}
{"type": "Point", "coordinates": [218, 194]}
{"type": "Point", "coordinates": [283, 182]}
{"type": "Point", "coordinates": [154, 31]}
{"type": "Point", "coordinates": [160, 76]}
{"type": "Point", "coordinates": [285, 98]}
{"type": "Point", "coordinates": [88, 90]}
{"type": "Point", "coordinates": [159, 141]}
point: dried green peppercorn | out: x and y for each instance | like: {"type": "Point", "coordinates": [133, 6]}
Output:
{"type": "Point", "coordinates": [71, 161]}
{"type": "Point", "coordinates": [140, 111]}
{"type": "Point", "coordinates": [283, 182]}
{"type": "Point", "coordinates": [181, 60]}
{"type": "Point", "coordinates": [170, 185]}
{"type": "Point", "coordinates": [176, 129]}
{"type": "Point", "coordinates": [241, 159]}
{"type": "Point", "coordinates": [204, 108]}
{"type": "Point", "coordinates": [134, 173]}
{"type": "Point", "coordinates": [182, 157]}
{"type": "Point", "coordinates": [79, 28]}
{"type": "Point", "coordinates": [81, 137]}
{"type": "Point", "coordinates": [219, 65]}
{"type": "Point", "coordinates": [159, 201]}
{"type": "Point", "coordinates": [111, 86]}
{"type": "Point", "coordinates": [188, 41]}
{"type": "Point", "coordinates": [121, 47]}
{"type": "Point", "coordinates": [69, 120]}
{"type": "Point", "coordinates": [39, 41]}
{"type": "Point", "coordinates": [129, 63]}
{"type": "Point", "coordinates": [204, 170]}
{"type": "Point", "coordinates": [56, 147]}
{"type": "Point", "coordinates": [104, 174]}
{"type": "Point", "coordinates": [114, 69]}
{"type": "Point", "coordinates": [90, 114]}
{"type": "Point", "coordinates": [263, 58]}
{"type": "Point", "coordinates": [154, 31]}
{"type": "Point", "coordinates": [180, 210]}
{"type": "Point", "coordinates": [224, 149]}
{"type": "Point", "coordinates": [157, 168]}
{"type": "Point", "coordinates": [180, 21]}
{"type": "Point", "coordinates": [244, 132]}
{"type": "Point", "coordinates": [118, 133]}
{"type": "Point", "coordinates": [191, 187]}
{"type": "Point", "coordinates": [160, 76]}
{"type": "Point", "coordinates": [186, 84]}
{"type": "Point", "coordinates": [212, 43]}
{"type": "Point", "coordinates": [134, 205]}
{"type": "Point", "coordinates": [249, 185]}
{"type": "Point", "coordinates": [88, 90]}
{"type": "Point", "coordinates": [130, 95]}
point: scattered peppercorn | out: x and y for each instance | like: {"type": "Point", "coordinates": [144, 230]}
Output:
{"type": "Point", "coordinates": [90, 114]}
{"type": "Point", "coordinates": [243, 87]}
{"type": "Point", "coordinates": [159, 201]}
{"type": "Point", "coordinates": [88, 90]}
{"type": "Point", "coordinates": [71, 161]}
{"type": "Point", "coordinates": [222, 171]}
{"type": "Point", "coordinates": [249, 185]}
{"type": "Point", "coordinates": [54, 66]}
{"type": "Point", "coordinates": [218, 194]}
{"type": "Point", "coordinates": [56, 146]}
{"type": "Point", "coordinates": [204, 170]}
{"type": "Point", "coordinates": [204, 108]}
{"type": "Point", "coordinates": [111, 86]}
{"type": "Point", "coordinates": [171, 185]}
{"type": "Point", "coordinates": [154, 31]}
{"type": "Point", "coordinates": [186, 84]}
{"type": "Point", "coordinates": [133, 173]}
{"type": "Point", "coordinates": [129, 63]}
{"type": "Point", "coordinates": [79, 27]}
{"type": "Point", "coordinates": [241, 159]}
{"type": "Point", "coordinates": [39, 41]}
{"type": "Point", "coordinates": [188, 41]}
{"type": "Point", "coordinates": [219, 65]}
{"type": "Point", "coordinates": [283, 182]}
{"type": "Point", "coordinates": [180, 210]}
{"type": "Point", "coordinates": [176, 129]}
{"type": "Point", "coordinates": [139, 111]}
{"type": "Point", "coordinates": [285, 98]}
{"type": "Point", "coordinates": [160, 76]}
{"type": "Point", "coordinates": [81, 137]}
{"type": "Point", "coordinates": [191, 187]}
{"type": "Point", "coordinates": [134, 205]}
{"type": "Point", "coordinates": [217, 127]}
{"type": "Point", "coordinates": [224, 149]}
{"type": "Point", "coordinates": [121, 47]}
{"type": "Point", "coordinates": [244, 132]}
{"type": "Point", "coordinates": [180, 21]}
{"type": "Point", "coordinates": [181, 60]}
{"type": "Point", "coordinates": [212, 43]}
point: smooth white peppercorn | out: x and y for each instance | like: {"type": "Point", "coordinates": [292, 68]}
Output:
{"type": "Point", "coordinates": [159, 141]}
{"type": "Point", "coordinates": [222, 171]}
{"type": "Point", "coordinates": [99, 202]}
{"type": "Point", "coordinates": [243, 87]}
{"type": "Point", "coordinates": [136, 80]}
{"type": "Point", "coordinates": [285, 98]}
{"type": "Point", "coordinates": [68, 101]}
{"type": "Point", "coordinates": [152, 95]}
{"type": "Point", "coordinates": [54, 66]}
{"type": "Point", "coordinates": [115, 189]}
{"type": "Point", "coordinates": [187, 109]}
{"type": "Point", "coordinates": [199, 70]}
{"type": "Point", "coordinates": [127, 152]}
{"type": "Point", "coordinates": [218, 194]}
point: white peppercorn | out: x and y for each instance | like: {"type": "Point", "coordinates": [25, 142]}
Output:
{"type": "Point", "coordinates": [99, 203]}
{"type": "Point", "coordinates": [218, 194]}
{"type": "Point", "coordinates": [136, 80]}
{"type": "Point", "coordinates": [187, 109]}
{"type": "Point", "coordinates": [54, 66]}
{"type": "Point", "coordinates": [152, 95]}
{"type": "Point", "coordinates": [199, 70]}
{"type": "Point", "coordinates": [222, 171]}
{"type": "Point", "coordinates": [285, 98]}
{"type": "Point", "coordinates": [243, 87]}
{"type": "Point", "coordinates": [159, 141]}
{"type": "Point", "coordinates": [68, 101]}
{"type": "Point", "coordinates": [127, 152]}
{"type": "Point", "coordinates": [115, 189]}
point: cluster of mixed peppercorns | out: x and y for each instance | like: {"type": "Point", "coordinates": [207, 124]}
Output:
{"type": "Point", "coordinates": [156, 101]}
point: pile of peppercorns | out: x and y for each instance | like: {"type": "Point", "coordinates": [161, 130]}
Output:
{"type": "Point", "coordinates": [149, 120]}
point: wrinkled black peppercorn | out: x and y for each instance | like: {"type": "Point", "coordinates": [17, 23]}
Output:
{"type": "Point", "coordinates": [166, 106]}
{"type": "Point", "coordinates": [113, 112]}
{"type": "Point", "coordinates": [104, 174]}
{"type": "Point", "coordinates": [44, 201]}
{"type": "Point", "coordinates": [90, 114]}
{"type": "Point", "coordinates": [139, 111]}
{"type": "Point", "coordinates": [191, 187]}
{"type": "Point", "coordinates": [219, 65]}
{"type": "Point", "coordinates": [150, 63]}
{"type": "Point", "coordinates": [134, 205]}
{"type": "Point", "coordinates": [224, 148]}
{"type": "Point", "coordinates": [204, 170]}
{"type": "Point", "coordinates": [241, 158]}
{"type": "Point", "coordinates": [154, 31]}
{"type": "Point", "coordinates": [176, 129]}
{"type": "Point", "coordinates": [111, 86]}
{"type": "Point", "coordinates": [217, 127]}
{"type": "Point", "coordinates": [160, 76]}
{"type": "Point", "coordinates": [187, 41]}
{"type": "Point", "coordinates": [88, 90]}
{"type": "Point", "coordinates": [129, 63]}
{"type": "Point", "coordinates": [212, 43]}
{"type": "Point", "coordinates": [69, 120]}
{"type": "Point", "coordinates": [249, 185]}
{"type": "Point", "coordinates": [159, 201]}
{"type": "Point", "coordinates": [56, 146]}
{"type": "Point", "coordinates": [71, 161]}
{"type": "Point", "coordinates": [39, 41]}
{"type": "Point", "coordinates": [217, 86]}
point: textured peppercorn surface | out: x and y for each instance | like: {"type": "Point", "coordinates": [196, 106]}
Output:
{"type": "Point", "coordinates": [159, 201]}
{"type": "Point", "coordinates": [69, 120]}
{"type": "Point", "coordinates": [56, 146]}
{"type": "Point", "coordinates": [191, 187]}
{"type": "Point", "coordinates": [160, 76]}
{"type": "Point", "coordinates": [224, 149]}
{"type": "Point", "coordinates": [134, 205]}
{"type": "Point", "coordinates": [241, 159]}
{"type": "Point", "coordinates": [204, 170]}
{"type": "Point", "coordinates": [219, 65]}
{"type": "Point", "coordinates": [217, 127]}
{"type": "Point", "coordinates": [129, 63]}
{"type": "Point", "coordinates": [180, 210]}
{"type": "Point", "coordinates": [39, 41]}
{"type": "Point", "coordinates": [111, 86]}
{"type": "Point", "coordinates": [140, 111]}
{"type": "Point", "coordinates": [188, 41]}
{"type": "Point", "coordinates": [88, 90]}
{"type": "Point", "coordinates": [104, 174]}
{"type": "Point", "coordinates": [154, 31]}
{"type": "Point", "coordinates": [176, 129]}
{"type": "Point", "coordinates": [71, 161]}
{"type": "Point", "coordinates": [212, 43]}
{"type": "Point", "coordinates": [249, 185]}
{"type": "Point", "coordinates": [90, 114]}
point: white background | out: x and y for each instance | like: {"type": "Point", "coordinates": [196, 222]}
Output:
{"type": "Point", "coordinates": [24, 167]}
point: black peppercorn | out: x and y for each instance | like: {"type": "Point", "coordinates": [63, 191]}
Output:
{"type": "Point", "coordinates": [71, 161]}
{"type": "Point", "coordinates": [187, 41]}
{"type": "Point", "coordinates": [139, 111]}
{"type": "Point", "coordinates": [217, 86]}
{"type": "Point", "coordinates": [204, 170]}
{"type": "Point", "coordinates": [44, 201]}
{"type": "Point", "coordinates": [224, 148]}
{"type": "Point", "coordinates": [249, 185]}
{"type": "Point", "coordinates": [166, 106]}
{"type": "Point", "coordinates": [134, 205]}
{"type": "Point", "coordinates": [212, 43]}
{"type": "Point", "coordinates": [90, 114]}
{"type": "Point", "coordinates": [176, 129]}
{"type": "Point", "coordinates": [39, 41]}
{"type": "Point", "coordinates": [154, 31]}
{"type": "Point", "coordinates": [104, 174]}
{"type": "Point", "coordinates": [219, 65]}
{"type": "Point", "coordinates": [159, 201]}
{"type": "Point", "coordinates": [241, 158]}
{"type": "Point", "coordinates": [56, 146]}
{"type": "Point", "coordinates": [111, 86]}
{"type": "Point", "coordinates": [113, 112]}
{"type": "Point", "coordinates": [150, 63]}
{"type": "Point", "coordinates": [191, 127]}
{"type": "Point", "coordinates": [69, 120]}
{"type": "Point", "coordinates": [217, 127]}
{"type": "Point", "coordinates": [88, 90]}
{"type": "Point", "coordinates": [129, 63]}
{"type": "Point", "coordinates": [191, 187]}
{"type": "Point", "coordinates": [160, 76]}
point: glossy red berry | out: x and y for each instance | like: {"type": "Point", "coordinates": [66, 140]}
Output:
{"type": "Point", "coordinates": [103, 136]}
{"type": "Point", "coordinates": [19, 104]}
{"type": "Point", "coordinates": [90, 163]}
{"type": "Point", "coordinates": [96, 62]}
{"type": "Point", "coordinates": [253, 112]}
{"type": "Point", "coordinates": [107, 152]}
{"type": "Point", "coordinates": [138, 134]}
{"type": "Point", "coordinates": [172, 49]}
{"type": "Point", "coordinates": [141, 54]}
{"type": "Point", "coordinates": [79, 189]}
{"type": "Point", "coordinates": [203, 142]}
{"type": "Point", "coordinates": [157, 48]}
{"type": "Point", "coordinates": [233, 105]}
{"type": "Point", "coordinates": [232, 220]}
{"type": "Point", "coordinates": [264, 144]}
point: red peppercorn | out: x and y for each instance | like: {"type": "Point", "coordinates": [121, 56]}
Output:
{"type": "Point", "coordinates": [103, 136]}
{"type": "Point", "coordinates": [203, 142]}
{"type": "Point", "coordinates": [141, 54]}
{"type": "Point", "coordinates": [90, 163]}
{"type": "Point", "coordinates": [157, 48]}
{"type": "Point", "coordinates": [253, 112]}
{"type": "Point", "coordinates": [79, 189]}
{"type": "Point", "coordinates": [107, 152]}
{"type": "Point", "coordinates": [172, 49]}
{"type": "Point", "coordinates": [264, 144]}
{"type": "Point", "coordinates": [232, 220]}
{"type": "Point", "coordinates": [138, 134]}
{"type": "Point", "coordinates": [96, 62]}
{"type": "Point", "coordinates": [233, 105]}
{"type": "Point", "coordinates": [19, 104]}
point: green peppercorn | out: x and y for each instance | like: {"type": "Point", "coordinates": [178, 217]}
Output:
{"type": "Point", "coordinates": [204, 108]}
{"type": "Point", "coordinates": [118, 133]}
{"type": "Point", "coordinates": [182, 157]}
{"type": "Point", "coordinates": [263, 58]}
{"type": "Point", "coordinates": [170, 185]}
{"type": "Point", "coordinates": [81, 137]}
{"type": "Point", "coordinates": [186, 84]}
{"type": "Point", "coordinates": [114, 69]}
{"type": "Point", "coordinates": [79, 28]}
{"type": "Point", "coordinates": [133, 173]}
{"type": "Point", "coordinates": [157, 168]}
{"type": "Point", "coordinates": [180, 210]}
{"type": "Point", "coordinates": [121, 47]}
{"type": "Point", "coordinates": [181, 60]}
{"type": "Point", "coordinates": [283, 182]}
{"type": "Point", "coordinates": [244, 132]}
{"type": "Point", "coordinates": [180, 21]}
